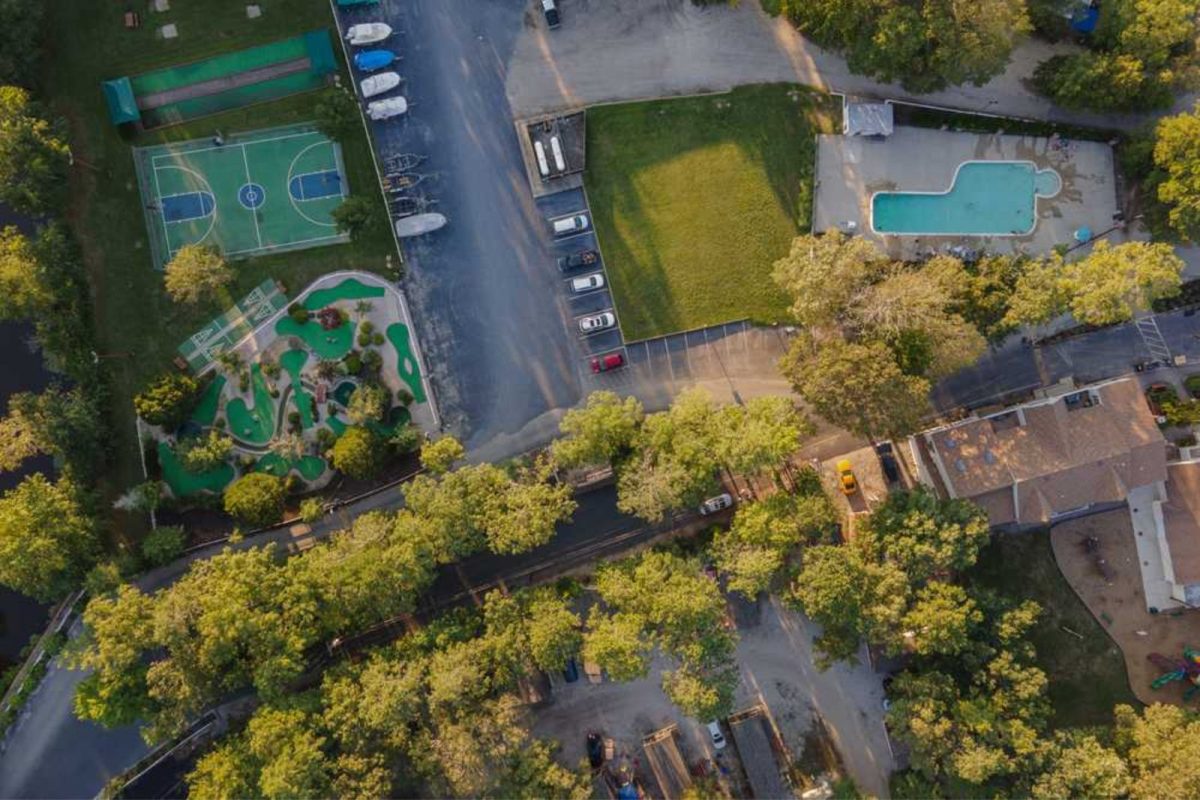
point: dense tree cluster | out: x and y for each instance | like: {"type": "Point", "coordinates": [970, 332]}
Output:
{"type": "Point", "coordinates": [437, 709]}
{"type": "Point", "coordinates": [196, 273]}
{"type": "Point", "coordinates": [671, 460]}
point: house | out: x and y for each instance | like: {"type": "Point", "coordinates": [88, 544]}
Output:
{"type": "Point", "coordinates": [1177, 532]}
{"type": "Point", "coordinates": [1050, 459]}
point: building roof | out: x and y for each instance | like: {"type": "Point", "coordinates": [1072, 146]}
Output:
{"type": "Point", "coordinates": [666, 762]}
{"type": "Point", "coordinates": [1031, 462]}
{"type": "Point", "coordinates": [1181, 517]}
{"type": "Point", "coordinates": [867, 119]}
{"type": "Point", "coordinates": [758, 756]}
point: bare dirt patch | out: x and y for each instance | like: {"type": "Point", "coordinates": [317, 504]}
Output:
{"type": "Point", "coordinates": [1119, 605]}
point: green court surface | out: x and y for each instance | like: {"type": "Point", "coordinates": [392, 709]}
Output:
{"type": "Point", "coordinates": [184, 483]}
{"type": "Point", "coordinates": [410, 372]}
{"type": "Point", "coordinates": [202, 347]}
{"type": "Point", "coordinates": [293, 362]}
{"type": "Point", "coordinates": [349, 289]}
{"type": "Point", "coordinates": [261, 192]}
{"type": "Point", "coordinates": [309, 467]}
{"type": "Point", "coordinates": [343, 392]}
{"type": "Point", "coordinates": [220, 66]}
{"type": "Point", "coordinates": [255, 426]}
{"type": "Point", "coordinates": [328, 345]}
{"type": "Point", "coordinates": [205, 412]}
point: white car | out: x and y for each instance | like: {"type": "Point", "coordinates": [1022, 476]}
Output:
{"type": "Point", "coordinates": [576, 223]}
{"type": "Point", "coordinates": [587, 283]}
{"type": "Point", "coordinates": [597, 322]}
{"type": "Point", "coordinates": [718, 738]}
{"type": "Point", "coordinates": [714, 504]}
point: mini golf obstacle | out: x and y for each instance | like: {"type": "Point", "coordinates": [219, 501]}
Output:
{"type": "Point", "coordinates": [231, 80]}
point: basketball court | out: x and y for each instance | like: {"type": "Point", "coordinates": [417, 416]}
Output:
{"type": "Point", "coordinates": [251, 194]}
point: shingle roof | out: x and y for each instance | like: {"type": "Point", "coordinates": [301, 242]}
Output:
{"type": "Point", "coordinates": [1061, 453]}
{"type": "Point", "coordinates": [1181, 516]}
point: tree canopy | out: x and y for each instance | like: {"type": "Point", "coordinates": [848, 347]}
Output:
{"type": "Point", "coordinates": [47, 539]}
{"type": "Point", "coordinates": [196, 273]}
{"type": "Point", "coordinates": [256, 499]}
{"type": "Point", "coordinates": [34, 155]}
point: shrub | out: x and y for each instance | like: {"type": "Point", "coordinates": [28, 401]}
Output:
{"type": "Point", "coordinates": [372, 361]}
{"type": "Point", "coordinates": [1192, 382]}
{"type": "Point", "coordinates": [404, 396]}
{"type": "Point", "coordinates": [367, 327]}
{"type": "Point", "coordinates": [353, 362]}
{"type": "Point", "coordinates": [358, 453]}
{"type": "Point", "coordinates": [325, 439]}
{"type": "Point", "coordinates": [377, 340]}
{"type": "Point", "coordinates": [256, 499]}
{"type": "Point", "coordinates": [330, 318]}
{"type": "Point", "coordinates": [163, 545]}
{"type": "Point", "coordinates": [311, 509]}
{"type": "Point", "coordinates": [298, 313]}
{"type": "Point", "coordinates": [168, 401]}
{"type": "Point", "coordinates": [363, 339]}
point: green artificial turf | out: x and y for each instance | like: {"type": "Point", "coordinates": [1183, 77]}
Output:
{"type": "Point", "coordinates": [136, 322]}
{"type": "Point", "coordinates": [694, 199]}
{"type": "Point", "coordinates": [1087, 676]}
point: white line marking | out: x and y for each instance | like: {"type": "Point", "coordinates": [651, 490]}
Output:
{"type": "Point", "coordinates": [292, 200]}
{"type": "Point", "coordinates": [253, 212]}
{"type": "Point", "coordinates": [286, 245]}
{"type": "Point", "coordinates": [230, 145]}
{"type": "Point", "coordinates": [171, 251]}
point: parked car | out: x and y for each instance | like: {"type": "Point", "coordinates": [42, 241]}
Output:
{"type": "Point", "coordinates": [607, 362]}
{"type": "Point", "coordinates": [846, 479]}
{"type": "Point", "coordinates": [587, 283]}
{"type": "Point", "coordinates": [576, 223]}
{"type": "Point", "coordinates": [887, 460]}
{"type": "Point", "coordinates": [595, 749]}
{"type": "Point", "coordinates": [714, 504]}
{"type": "Point", "coordinates": [597, 322]}
{"type": "Point", "coordinates": [718, 738]}
{"type": "Point", "coordinates": [550, 9]}
{"type": "Point", "coordinates": [584, 258]}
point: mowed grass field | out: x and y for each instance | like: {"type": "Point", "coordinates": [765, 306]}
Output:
{"type": "Point", "coordinates": [695, 198]}
{"type": "Point", "coordinates": [138, 326]}
{"type": "Point", "coordinates": [1087, 676]}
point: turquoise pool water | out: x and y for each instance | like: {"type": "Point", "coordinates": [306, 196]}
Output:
{"type": "Point", "coordinates": [986, 198]}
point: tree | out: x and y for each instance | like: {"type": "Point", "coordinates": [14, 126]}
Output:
{"type": "Point", "coordinates": [1177, 156]}
{"type": "Point", "coordinates": [927, 537]}
{"type": "Point", "coordinates": [47, 538]}
{"type": "Point", "coordinates": [1101, 81]}
{"type": "Point", "coordinates": [256, 499]}
{"type": "Point", "coordinates": [201, 454]}
{"type": "Point", "coordinates": [163, 545]}
{"type": "Point", "coordinates": [702, 694]}
{"type": "Point", "coordinates": [34, 156]}
{"type": "Point", "coordinates": [1082, 767]}
{"type": "Point", "coordinates": [858, 387]}
{"type": "Point", "coordinates": [168, 401]}
{"type": "Point", "coordinates": [369, 403]}
{"type": "Point", "coordinates": [441, 454]}
{"type": "Point", "coordinates": [20, 41]}
{"type": "Point", "coordinates": [762, 536]}
{"type": "Point", "coordinates": [1039, 294]}
{"type": "Point", "coordinates": [196, 273]}
{"type": "Point", "coordinates": [614, 643]}
{"type": "Point", "coordinates": [290, 752]}
{"type": "Point", "coordinates": [941, 620]}
{"type": "Point", "coordinates": [760, 434]}
{"type": "Point", "coordinates": [553, 631]}
{"type": "Point", "coordinates": [358, 453]}
{"type": "Point", "coordinates": [601, 432]}
{"type": "Point", "coordinates": [226, 771]}
{"type": "Point", "coordinates": [117, 631]}
{"type": "Point", "coordinates": [824, 274]}
{"type": "Point", "coordinates": [1160, 747]}
{"type": "Point", "coordinates": [336, 115]}
{"type": "Point", "coordinates": [289, 446]}
{"type": "Point", "coordinates": [23, 288]}
{"type": "Point", "coordinates": [524, 516]}
{"type": "Point", "coordinates": [64, 423]}
{"type": "Point", "coordinates": [357, 216]}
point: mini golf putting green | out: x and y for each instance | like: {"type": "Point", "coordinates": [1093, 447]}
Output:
{"type": "Point", "coordinates": [184, 483]}
{"type": "Point", "coordinates": [293, 362]}
{"type": "Point", "coordinates": [205, 412]}
{"type": "Point", "coordinates": [328, 345]}
{"type": "Point", "coordinates": [343, 392]}
{"type": "Point", "coordinates": [309, 467]}
{"type": "Point", "coordinates": [349, 289]}
{"type": "Point", "coordinates": [336, 425]}
{"type": "Point", "coordinates": [257, 426]}
{"type": "Point", "coordinates": [406, 362]}
{"type": "Point", "coordinates": [397, 416]}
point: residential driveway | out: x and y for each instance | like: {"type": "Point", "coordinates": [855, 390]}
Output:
{"type": "Point", "coordinates": [612, 50]}
{"type": "Point", "coordinates": [776, 668]}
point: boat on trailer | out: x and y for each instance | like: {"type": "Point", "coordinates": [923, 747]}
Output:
{"type": "Point", "coordinates": [371, 60]}
{"type": "Point", "coordinates": [380, 84]}
{"type": "Point", "coordinates": [366, 33]}
{"type": "Point", "coordinates": [386, 109]}
{"type": "Point", "coordinates": [403, 162]}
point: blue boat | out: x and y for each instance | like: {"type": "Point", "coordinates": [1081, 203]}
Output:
{"type": "Point", "coordinates": [371, 60]}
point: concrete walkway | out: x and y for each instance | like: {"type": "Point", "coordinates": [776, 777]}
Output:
{"type": "Point", "coordinates": [616, 50]}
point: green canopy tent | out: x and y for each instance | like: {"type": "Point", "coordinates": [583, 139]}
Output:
{"type": "Point", "coordinates": [122, 106]}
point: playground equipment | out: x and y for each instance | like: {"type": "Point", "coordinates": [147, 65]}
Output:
{"type": "Point", "coordinates": [1178, 669]}
{"type": "Point", "coordinates": [1091, 546]}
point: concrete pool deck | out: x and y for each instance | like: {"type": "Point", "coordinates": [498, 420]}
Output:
{"type": "Point", "coordinates": [850, 170]}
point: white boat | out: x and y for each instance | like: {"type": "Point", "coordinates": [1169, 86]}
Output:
{"type": "Point", "coordinates": [367, 33]}
{"type": "Point", "coordinates": [380, 83]}
{"type": "Point", "coordinates": [419, 224]}
{"type": "Point", "coordinates": [387, 108]}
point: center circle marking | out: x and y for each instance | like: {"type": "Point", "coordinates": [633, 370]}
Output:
{"type": "Point", "coordinates": [251, 195]}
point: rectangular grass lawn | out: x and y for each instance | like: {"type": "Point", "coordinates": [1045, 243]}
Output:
{"type": "Point", "coordinates": [695, 198]}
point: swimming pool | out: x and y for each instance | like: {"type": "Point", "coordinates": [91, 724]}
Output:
{"type": "Point", "coordinates": [985, 198]}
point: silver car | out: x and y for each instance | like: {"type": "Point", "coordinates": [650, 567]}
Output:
{"type": "Point", "coordinates": [597, 322]}
{"type": "Point", "coordinates": [587, 283]}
